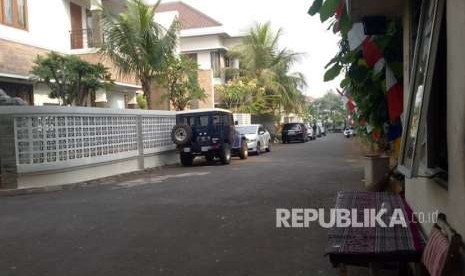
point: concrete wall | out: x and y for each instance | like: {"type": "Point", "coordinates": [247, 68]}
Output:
{"type": "Point", "coordinates": [43, 146]}
{"type": "Point", "coordinates": [199, 43]}
{"type": "Point", "coordinates": [204, 60]}
{"type": "Point", "coordinates": [41, 97]}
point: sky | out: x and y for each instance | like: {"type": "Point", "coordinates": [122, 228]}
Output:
{"type": "Point", "coordinates": [301, 32]}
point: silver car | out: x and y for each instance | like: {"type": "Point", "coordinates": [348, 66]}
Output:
{"type": "Point", "coordinates": [257, 137]}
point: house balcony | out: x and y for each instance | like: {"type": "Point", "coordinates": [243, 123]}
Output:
{"type": "Point", "coordinates": [85, 39]}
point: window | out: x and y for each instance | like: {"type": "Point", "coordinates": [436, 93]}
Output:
{"type": "Point", "coordinates": [13, 13]}
{"type": "Point", "coordinates": [216, 119]}
{"type": "Point", "coordinates": [190, 121]}
{"type": "Point", "coordinates": [203, 120]}
{"type": "Point", "coordinates": [415, 126]}
{"type": "Point", "coordinates": [216, 64]}
{"type": "Point", "coordinates": [436, 121]}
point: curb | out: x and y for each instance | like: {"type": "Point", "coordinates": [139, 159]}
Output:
{"type": "Point", "coordinates": [71, 186]}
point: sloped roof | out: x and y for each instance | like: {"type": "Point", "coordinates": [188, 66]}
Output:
{"type": "Point", "coordinates": [189, 17]}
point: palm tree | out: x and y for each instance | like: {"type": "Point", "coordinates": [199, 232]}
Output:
{"type": "Point", "coordinates": [261, 59]}
{"type": "Point", "coordinates": [138, 45]}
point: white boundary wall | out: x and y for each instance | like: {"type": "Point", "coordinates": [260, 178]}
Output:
{"type": "Point", "coordinates": [44, 146]}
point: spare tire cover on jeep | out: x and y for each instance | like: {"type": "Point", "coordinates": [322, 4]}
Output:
{"type": "Point", "coordinates": [181, 134]}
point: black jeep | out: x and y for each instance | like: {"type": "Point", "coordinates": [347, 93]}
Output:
{"type": "Point", "coordinates": [209, 133]}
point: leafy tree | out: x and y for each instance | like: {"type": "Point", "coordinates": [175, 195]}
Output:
{"type": "Point", "coordinates": [330, 108]}
{"type": "Point", "coordinates": [361, 82]}
{"type": "Point", "coordinates": [180, 78]}
{"type": "Point", "coordinates": [241, 95]}
{"type": "Point", "coordinates": [70, 79]}
{"type": "Point", "coordinates": [264, 62]}
{"type": "Point", "coordinates": [141, 101]}
{"type": "Point", "coordinates": [137, 44]}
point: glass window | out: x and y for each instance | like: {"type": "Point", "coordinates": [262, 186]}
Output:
{"type": "Point", "coordinates": [203, 120]}
{"type": "Point", "coordinates": [21, 17]}
{"type": "Point", "coordinates": [8, 12]}
{"type": "Point", "coordinates": [424, 61]}
{"type": "Point", "coordinates": [215, 63]}
{"type": "Point", "coordinates": [247, 129]}
{"type": "Point", "coordinates": [13, 13]}
{"type": "Point", "coordinates": [190, 121]}
{"type": "Point", "coordinates": [292, 127]}
{"type": "Point", "coordinates": [216, 119]}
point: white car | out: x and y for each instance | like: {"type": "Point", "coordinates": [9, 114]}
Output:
{"type": "Point", "coordinates": [257, 137]}
{"type": "Point", "coordinates": [348, 132]}
{"type": "Point", "coordinates": [311, 135]}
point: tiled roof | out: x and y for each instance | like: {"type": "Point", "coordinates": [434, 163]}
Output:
{"type": "Point", "coordinates": [189, 17]}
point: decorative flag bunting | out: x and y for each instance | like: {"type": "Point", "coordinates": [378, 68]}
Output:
{"type": "Point", "coordinates": [356, 36]}
{"type": "Point", "coordinates": [395, 96]}
{"type": "Point", "coordinates": [374, 58]}
{"type": "Point", "coordinates": [373, 55]}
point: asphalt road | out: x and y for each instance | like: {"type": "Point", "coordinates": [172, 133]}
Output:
{"type": "Point", "coordinates": [203, 220]}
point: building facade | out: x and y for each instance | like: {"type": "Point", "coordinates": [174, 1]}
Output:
{"type": "Point", "coordinates": [72, 27]}
{"type": "Point", "coordinates": [205, 40]}
{"type": "Point", "coordinates": [433, 153]}
{"type": "Point", "coordinates": [31, 27]}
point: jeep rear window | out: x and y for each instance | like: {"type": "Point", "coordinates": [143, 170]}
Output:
{"type": "Point", "coordinates": [190, 121]}
{"type": "Point", "coordinates": [203, 120]}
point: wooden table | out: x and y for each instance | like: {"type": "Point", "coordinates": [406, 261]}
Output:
{"type": "Point", "coordinates": [374, 246]}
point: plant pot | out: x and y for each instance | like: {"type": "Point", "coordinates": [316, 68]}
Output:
{"type": "Point", "coordinates": [376, 168]}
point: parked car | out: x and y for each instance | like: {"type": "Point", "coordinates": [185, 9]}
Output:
{"type": "Point", "coordinates": [323, 130]}
{"type": "Point", "coordinates": [294, 132]}
{"type": "Point", "coordinates": [257, 137]}
{"type": "Point", "coordinates": [348, 132]}
{"type": "Point", "coordinates": [317, 130]}
{"type": "Point", "coordinates": [310, 133]}
{"type": "Point", "coordinates": [207, 132]}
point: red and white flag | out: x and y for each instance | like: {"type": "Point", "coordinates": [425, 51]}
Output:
{"type": "Point", "coordinates": [395, 95]}
{"type": "Point", "coordinates": [373, 55]}
{"type": "Point", "coordinates": [356, 36]}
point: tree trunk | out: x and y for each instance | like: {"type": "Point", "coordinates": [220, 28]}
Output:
{"type": "Point", "coordinates": [147, 89]}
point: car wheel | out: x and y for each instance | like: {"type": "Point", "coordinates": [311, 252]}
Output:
{"type": "Point", "coordinates": [244, 154]}
{"type": "Point", "coordinates": [186, 159]}
{"type": "Point", "coordinates": [268, 149]}
{"type": "Point", "coordinates": [225, 154]}
{"type": "Point", "coordinates": [258, 149]}
{"type": "Point", "coordinates": [210, 156]}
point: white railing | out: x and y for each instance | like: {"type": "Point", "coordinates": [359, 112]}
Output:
{"type": "Point", "coordinates": [53, 138]}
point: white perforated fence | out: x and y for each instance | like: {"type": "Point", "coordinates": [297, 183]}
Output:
{"type": "Point", "coordinates": [51, 138]}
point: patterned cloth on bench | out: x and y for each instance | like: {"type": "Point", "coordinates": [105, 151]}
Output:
{"type": "Point", "coordinates": [374, 240]}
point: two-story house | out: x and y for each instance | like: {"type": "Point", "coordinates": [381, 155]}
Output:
{"type": "Point", "coordinates": [32, 27]}
{"type": "Point", "coordinates": [205, 40]}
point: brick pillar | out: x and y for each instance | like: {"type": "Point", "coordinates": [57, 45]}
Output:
{"type": "Point", "coordinates": [205, 78]}
{"type": "Point", "coordinates": [8, 167]}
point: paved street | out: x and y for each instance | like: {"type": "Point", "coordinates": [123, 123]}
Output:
{"type": "Point", "coordinates": [204, 220]}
